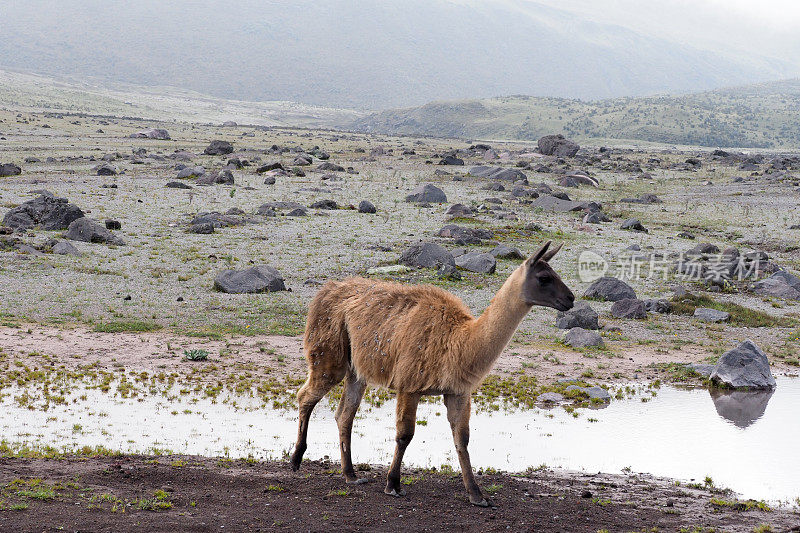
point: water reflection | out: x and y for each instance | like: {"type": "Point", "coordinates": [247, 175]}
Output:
{"type": "Point", "coordinates": [742, 408]}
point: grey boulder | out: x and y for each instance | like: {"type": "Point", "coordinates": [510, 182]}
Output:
{"type": "Point", "coordinates": [580, 316]}
{"type": "Point", "coordinates": [745, 366]}
{"type": "Point", "coordinates": [9, 169]}
{"type": "Point", "coordinates": [46, 211]}
{"type": "Point", "coordinates": [262, 278]}
{"type": "Point", "coordinates": [629, 308]}
{"type": "Point", "coordinates": [580, 338]}
{"type": "Point", "coordinates": [610, 289]}
{"type": "Point", "coordinates": [365, 206]}
{"type": "Point", "coordinates": [781, 284]}
{"type": "Point", "coordinates": [706, 314]}
{"type": "Point", "coordinates": [427, 193]}
{"type": "Point", "coordinates": [88, 230]}
{"type": "Point", "coordinates": [426, 255]}
{"type": "Point", "coordinates": [481, 262]}
{"type": "Point", "coordinates": [218, 148]}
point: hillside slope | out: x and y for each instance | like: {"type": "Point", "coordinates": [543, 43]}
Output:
{"type": "Point", "coordinates": [762, 115]}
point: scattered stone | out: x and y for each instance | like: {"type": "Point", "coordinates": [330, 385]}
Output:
{"type": "Point", "coordinates": [221, 177]}
{"type": "Point", "coordinates": [152, 133]}
{"type": "Point", "coordinates": [299, 212]}
{"type": "Point", "coordinates": [9, 169]}
{"type": "Point", "coordinates": [658, 306]}
{"type": "Point", "coordinates": [202, 228]}
{"type": "Point", "coordinates": [325, 204]}
{"type": "Point", "coordinates": [580, 316]}
{"type": "Point", "coordinates": [477, 262]}
{"type": "Point", "coordinates": [580, 338]}
{"type": "Point", "coordinates": [113, 224]}
{"type": "Point", "coordinates": [459, 210]}
{"type": "Point", "coordinates": [448, 272]}
{"type": "Point", "coordinates": [262, 278]}
{"type": "Point", "coordinates": [595, 217]}
{"type": "Point", "coordinates": [451, 160]}
{"type": "Point", "coordinates": [706, 314]}
{"type": "Point", "coordinates": [218, 147]}
{"type": "Point", "coordinates": [629, 308]}
{"type": "Point", "coordinates": [365, 206]}
{"type": "Point", "coordinates": [65, 248]}
{"type": "Point", "coordinates": [745, 366]}
{"type": "Point", "coordinates": [781, 284]}
{"type": "Point", "coordinates": [191, 172]}
{"type": "Point", "coordinates": [610, 289]}
{"type": "Point", "coordinates": [550, 397]}
{"type": "Point", "coordinates": [463, 235]}
{"type": "Point", "coordinates": [426, 255]}
{"type": "Point", "coordinates": [503, 251]}
{"type": "Point", "coordinates": [270, 166]}
{"type": "Point", "coordinates": [88, 230]}
{"type": "Point", "coordinates": [498, 173]}
{"type": "Point", "coordinates": [106, 169]}
{"type": "Point", "coordinates": [178, 185]}
{"type": "Point", "coordinates": [594, 393]}
{"type": "Point", "coordinates": [427, 193]}
{"type": "Point", "coordinates": [633, 224]}
{"type": "Point", "coordinates": [333, 167]}
{"type": "Point", "coordinates": [558, 205]}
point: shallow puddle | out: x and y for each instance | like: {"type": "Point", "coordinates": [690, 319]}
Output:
{"type": "Point", "coordinates": [748, 442]}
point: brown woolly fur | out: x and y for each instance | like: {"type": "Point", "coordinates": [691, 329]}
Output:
{"type": "Point", "coordinates": [415, 339]}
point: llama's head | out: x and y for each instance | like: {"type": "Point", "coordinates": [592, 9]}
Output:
{"type": "Point", "coordinates": [542, 286]}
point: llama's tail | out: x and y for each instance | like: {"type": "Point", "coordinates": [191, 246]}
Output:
{"type": "Point", "coordinates": [326, 342]}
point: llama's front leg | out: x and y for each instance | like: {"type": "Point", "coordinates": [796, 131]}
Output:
{"type": "Point", "coordinates": [458, 407]}
{"type": "Point", "coordinates": [406, 423]}
{"type": "Point", "coordinates": [348, 406]}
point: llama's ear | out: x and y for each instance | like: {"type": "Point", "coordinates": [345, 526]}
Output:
{"type": "Point", "coordinates": [549, 255]}
{"type": "Point", "coordinates": [538, 255]}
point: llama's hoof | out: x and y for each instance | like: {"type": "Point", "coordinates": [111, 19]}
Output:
{"type": "Point", "coordinates": [357, 481]}
{"type": "Point", "coordinates": [479, 501]}
{"type": "Point", "coordinates": [295, 465]}
{"type": "Point", "coordinates": [391, 491]}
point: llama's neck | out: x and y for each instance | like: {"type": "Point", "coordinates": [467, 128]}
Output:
{"type": "Point", "coordinates": [492, 331]}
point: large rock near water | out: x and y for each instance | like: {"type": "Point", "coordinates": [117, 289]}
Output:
{"type": "Point", "coordinates": [610, 289]}
{"type": "Point", "coordinates": [558, 146]}
{"type": "Point", "coordinates": [88, 230]}
{"type": "Point", "coordinates": [46, 211]}
{"type": "Point", "coordinates": [745, 366]}
{"type": "Point", "coordinates": [426, 255]}
{"type": "Point", "coordinates": [262, 278]}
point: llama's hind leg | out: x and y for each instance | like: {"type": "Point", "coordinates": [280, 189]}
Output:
{"type": "Point", "coordinates": [348, 406]}
{"type": "Point", "coordinates": [315, 387]}
{"type": "Point", "coordinates": [458, 406]}
{"type": "Point", "coordinates": [406, 423]}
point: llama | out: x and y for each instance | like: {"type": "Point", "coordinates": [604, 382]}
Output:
{"type": "Point", "coordinates": [417, 340]}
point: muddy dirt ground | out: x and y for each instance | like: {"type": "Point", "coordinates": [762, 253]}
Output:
{"type": "Point", "coordinates": [180, 493]}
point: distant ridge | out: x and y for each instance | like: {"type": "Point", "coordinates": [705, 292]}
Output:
{"type": "Point", "coordinates": [764, 115]}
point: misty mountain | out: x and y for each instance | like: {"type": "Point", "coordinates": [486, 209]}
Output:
{"type": "Point", "coordinates": [360, 53]}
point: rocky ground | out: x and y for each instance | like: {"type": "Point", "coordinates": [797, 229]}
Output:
{"type": "Point", "coordinates": [124, 276]}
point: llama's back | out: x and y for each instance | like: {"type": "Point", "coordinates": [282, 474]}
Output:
{"type": "Point", "coordinates": [399, 336]}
